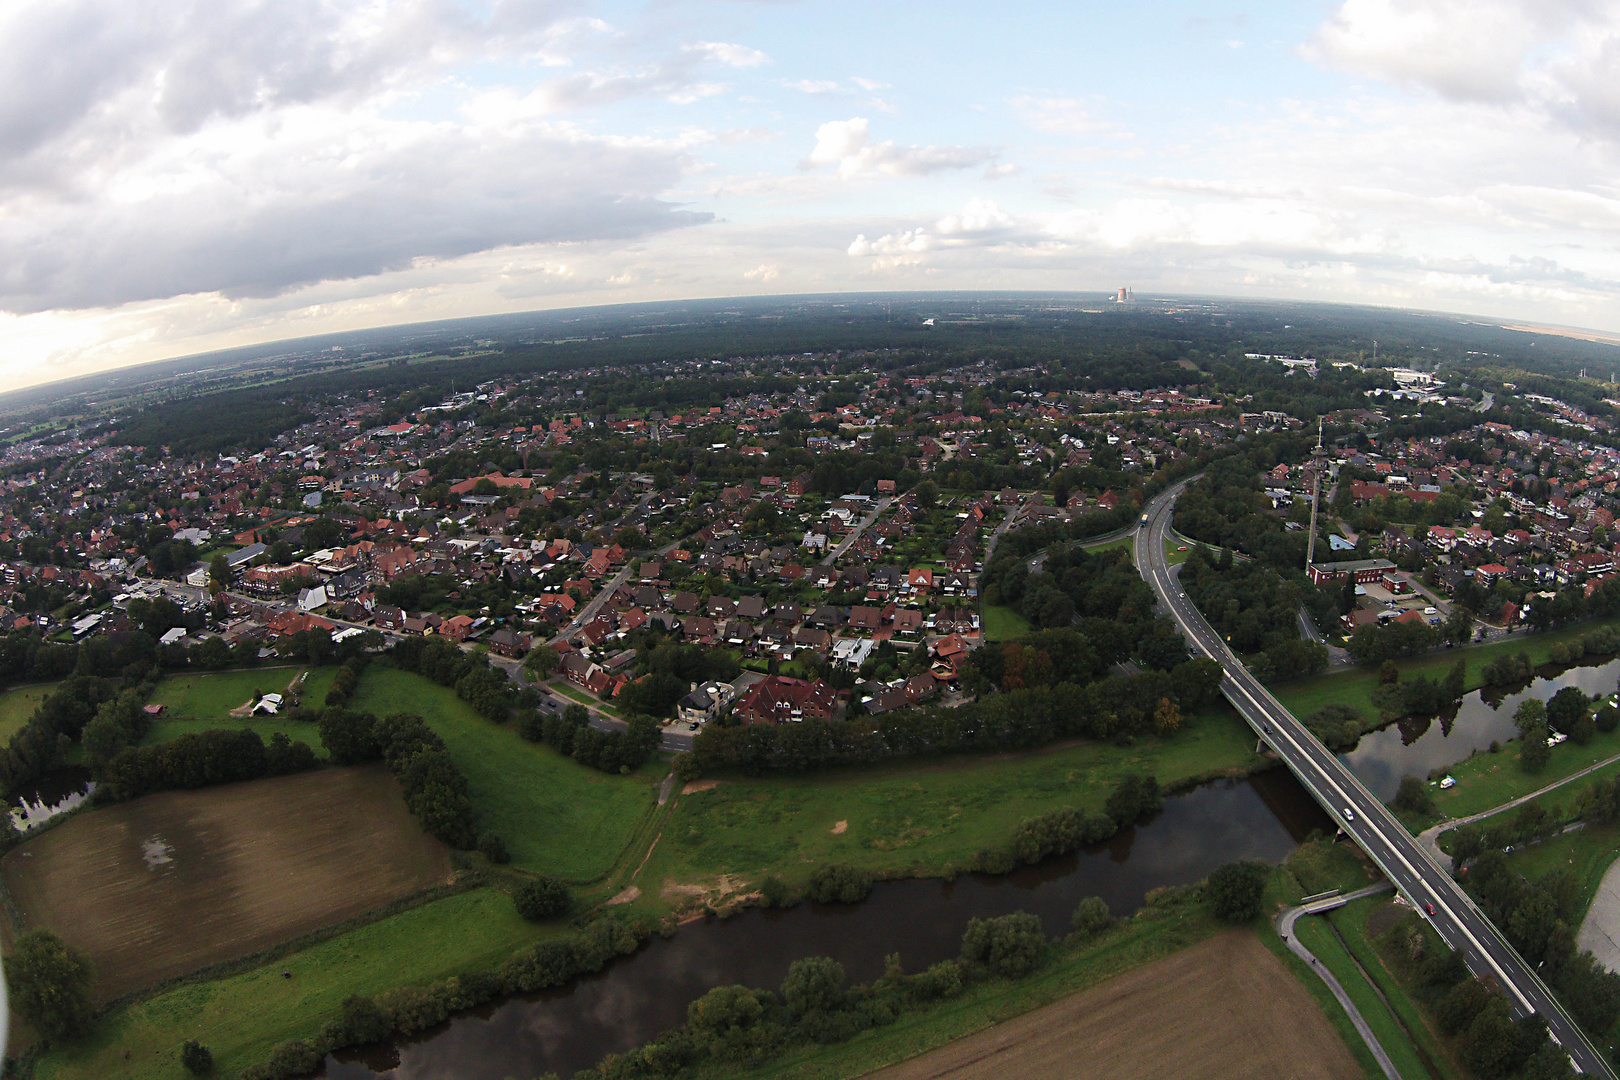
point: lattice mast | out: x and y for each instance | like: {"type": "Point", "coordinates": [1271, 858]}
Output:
{"type": "Point", "coordinates": [1318, 466]}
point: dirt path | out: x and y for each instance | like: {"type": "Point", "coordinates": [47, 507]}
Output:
{"type": "Point", "coordinates": [1225, 1008]}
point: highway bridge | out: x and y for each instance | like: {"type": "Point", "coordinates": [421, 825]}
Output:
{"type": "Point", "coordinates": [1427, 885]}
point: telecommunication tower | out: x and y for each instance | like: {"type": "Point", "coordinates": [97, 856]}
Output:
{"type": "Point", "coordinates": [1317, 467]}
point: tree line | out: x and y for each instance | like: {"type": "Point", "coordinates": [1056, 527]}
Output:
{"type": "Point", "coordinates": [1117, 707]}
{"type": "Point", "coordinates": [435, 790]}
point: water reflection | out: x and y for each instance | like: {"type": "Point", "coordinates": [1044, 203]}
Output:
{"type": "Point", "coordinates": [641, 995]}
{"type": "Point", "coordinates": [53, 793]}
{"type": "Point", "coordinates": [1413, 747]}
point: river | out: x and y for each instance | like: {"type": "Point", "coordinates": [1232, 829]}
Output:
{"type": "Point", "coordinates": [636, 997]}
{"type": "Point", "coordinates": [1413, 747]}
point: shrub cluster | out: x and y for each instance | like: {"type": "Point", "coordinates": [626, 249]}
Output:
{"type": "Point", "coordinates": [1508, 670]}
{"type": "Point", "coordinates": [1066, 828]}
{"type": "Point", "coordinates": [571, 735]}
{"type": "Point", "coordinates": [1338, 725]}
{"type": "Point", "coordinates": [345, 681]}
{"type": "Point", "coordinates": [832, 883]}
{"type": "Point", "coordinates": [1604, 641]}
{"type": "Point", "coordinates": [542, 898]}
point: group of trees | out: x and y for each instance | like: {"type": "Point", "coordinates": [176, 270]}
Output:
{"type": "Point", "coordinates": [1070, 581]}
{"type": "Point", "coordinates": [1376, 643]}
{"type": "Point", "coordinates": [737, 1025]}
{"type": "Point", "coordinates": [1540, 918]}
{"type": "Point", "coordinates": [1257, 611]}
{"type": "Point", "coordinates": [1044, 658]}
{"type": "Point", "coordinates": [1227, 508]}
{"type": "Point", "coordinates": [56, 725]}
{"type": "Point", "coordinates": [1569, 712]}
{"type": "Point", "coordinates": [486, 689]}
{"type": "Point", "coordinates": [1066, 828]}
{"type": "Point", "coordinates": [1419, 695]}
{"type": "Point", "coordinates": [1116, 707]}
{"type": "Point", "coordinates": [203, 759]}
{"type": "Point", "coordinates": [435, 790]}
{"type": "Point", "coordinates": [669, 668]}
{"type": "Point", "coordinates": [570, 734]}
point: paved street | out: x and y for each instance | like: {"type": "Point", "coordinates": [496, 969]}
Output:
{"type": "Point", "coordinates": [855, 534]}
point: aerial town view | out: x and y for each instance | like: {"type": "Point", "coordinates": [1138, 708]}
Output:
{"type": "Point", "coordinates": [630, 540]}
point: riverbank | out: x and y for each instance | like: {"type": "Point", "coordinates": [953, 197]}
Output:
{"type": "Point", "coordinates": [931, 818]}
{"type": "Point", "coordinates": [1355, 686]}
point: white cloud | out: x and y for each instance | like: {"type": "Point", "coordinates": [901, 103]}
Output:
{"type": "Point", "coordinates": [330, 197]}
{"type": "Point", "coordinates": [979, 216]}
{"type": "Point", "coordinates": [738, 56]}
{"type": "Point", "coordinates": [816, 86]}
{"type": "Point", "coordinates": [1559, 58]}
{"type": "Point", "coordinates": [764, 273]}
{"type": "Point", "coordinates": [869, 84]}
{"type": "Point", "coordinates": [848, 144]}
{"type": "Point", "coordinates": [1063, 116]}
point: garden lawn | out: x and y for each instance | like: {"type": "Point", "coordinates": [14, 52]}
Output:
{"type": "Point", "coordinates": [202, 696]}
{"type": "Point", "coordinates": [999, 623]}
{"type": "Point", "coordinates": [919, 817]}
{"type": "Point", "coordinates": [1488, 780]}
{"type": "Point", "coordinates": [17, 708]}
{"type": "Point", "coordinates": [1355, 686]}
{"type": "Point", "coordinates": [242, 1016]}
{"type": "Point", "coordinates": [557, 817]}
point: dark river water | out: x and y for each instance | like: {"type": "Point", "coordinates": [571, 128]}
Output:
{"type": "Point", "coordinates": [1416, 746]}
{"type": "Point", "coordinates": [640, 995]}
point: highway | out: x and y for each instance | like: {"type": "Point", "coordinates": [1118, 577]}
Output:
{"type": "Point", "coordinates": [1404, 860]}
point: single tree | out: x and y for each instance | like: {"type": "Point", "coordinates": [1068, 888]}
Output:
{"type": "Point", "coordinates": [542, 898]}
{"type": "Point", "coordinates": [1234, 891]}
{"type": "Point", "coordinates": [50, 984]}
{"type": "Point", "coordinates": [197, 1058]}
{"type": "Point", "coordinates": [1091, 917]}
{"type": "Point", "coordinates": [1414, 796]}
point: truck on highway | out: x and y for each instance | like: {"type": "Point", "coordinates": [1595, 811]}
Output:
{"type": "Point", "coordinates": [1144, 519]}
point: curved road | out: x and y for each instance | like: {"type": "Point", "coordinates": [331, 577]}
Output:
{"type": "Point", "coordinates": [1404, 860]}
{"type": "Point", "coordinates": [1285, 930]}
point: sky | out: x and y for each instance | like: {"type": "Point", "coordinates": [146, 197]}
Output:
{"type": "Point", "coordinates": [184, 175]}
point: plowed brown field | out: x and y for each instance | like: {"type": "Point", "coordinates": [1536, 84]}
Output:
{"type": "Point", "coordinates": [165, 884]}
{"type": "Point", "coordinates": [1225, 1008]}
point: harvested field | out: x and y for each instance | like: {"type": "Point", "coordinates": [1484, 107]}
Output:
{"type": "Point", "coordinates": [1224, 1008]}
{"type": "Point", "coordinates": [168, 883]}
